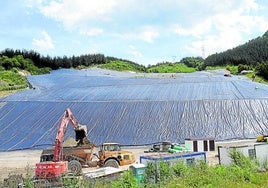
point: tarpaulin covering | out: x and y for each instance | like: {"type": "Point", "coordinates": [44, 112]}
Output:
{"type": "Point", "coordinates": [134, 109]}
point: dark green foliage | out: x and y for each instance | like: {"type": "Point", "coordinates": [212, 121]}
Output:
{"type": "Point", "coordinates": [179, 169]}
{"type": "Point", "coordinates": [137, 67]}
{"type": "Point", "coordinates": [265, 34]}
{"type": "Point", "coordinates": [71, 181]}
{"type": "Point", "coordinates": [195, 62]}
{"type": "Point", "coordinates": [232, 69]}
{"type": "Point", "coordinates": [242, 67]}
{"type": "Point", "coordinates": [127, 180]}
{"type": "Point", "coordinates": [250, 53]}
{"type": "Point", "coordinates": [158, 172]}
{"type": "Point", "coordinates": [18, 62]}
{"type": "Point", "coordinates": [33, 61]}
{"type": "Point", "coordinates": [243, 162]}
{"type": "Point", "coordinates": [56, 62]}
{"type": "Point", "coordinates": [262, 69]}
{"type": "Point", "coordinates": [10, 79]}
{"type": "Point", "coordinates": [242, 173]}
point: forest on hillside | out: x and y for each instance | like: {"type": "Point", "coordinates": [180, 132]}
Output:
{"type": "Point", "coordinates": [55, 63]}
{"type": "Point", "coordinates": [252, 55]}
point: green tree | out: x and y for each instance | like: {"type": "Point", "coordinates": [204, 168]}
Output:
{"type": "Point", "coordinates": [262, 69]}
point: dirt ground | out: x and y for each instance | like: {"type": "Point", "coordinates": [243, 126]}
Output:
{"type": "Point", "coordinates": [18, 162]}
{"type": "Point", "coordinates": [23, 161]}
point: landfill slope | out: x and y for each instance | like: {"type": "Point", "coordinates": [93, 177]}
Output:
{"type": "Point", "coordinates": [134, 109]}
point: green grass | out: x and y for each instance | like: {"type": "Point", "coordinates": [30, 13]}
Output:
{"type": "Point", "coordinates": [162, 68]}
{"type": "Point", "coordinates": [171, 68]}
{"type": "Point", "coordinates": [242, 173]}
{"type": "Point", "coordinates": [199, 175]}
{"type": "Point", "coordinates": [252, 76]}
{"type": "Point", "coordinates": [11, 80]}
{"type": "Point", "coordinates": [121, 66]}
{"type": "Point", "coordinates": [231, 68]}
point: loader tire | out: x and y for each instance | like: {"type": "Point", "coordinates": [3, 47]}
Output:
{"type": "Point", "coordinates": [74, 167]}
{"type": "Point", "coordinates": [111, 163]}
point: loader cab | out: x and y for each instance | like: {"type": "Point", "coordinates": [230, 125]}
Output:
{"type": "Point", "coordinates": [111, 147]}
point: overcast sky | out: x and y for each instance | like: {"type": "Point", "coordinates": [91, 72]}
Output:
{"type": "Point", "coordinates": [143, 31]}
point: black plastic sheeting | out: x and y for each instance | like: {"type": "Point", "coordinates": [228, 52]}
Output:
{"type": "Point", "coordinates": [134, 109]}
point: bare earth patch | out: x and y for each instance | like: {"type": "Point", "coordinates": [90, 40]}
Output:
{"type": "Point", "coordinates": [17, 162]}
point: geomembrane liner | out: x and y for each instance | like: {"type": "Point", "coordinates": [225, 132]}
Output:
{"type": "Point", "coordinates": [134, 109]}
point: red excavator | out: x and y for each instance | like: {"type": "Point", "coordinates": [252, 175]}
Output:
{"type": "Point", "coordinates": [58, 166]}
{"type": "Point", "coordinates": [57, 162]}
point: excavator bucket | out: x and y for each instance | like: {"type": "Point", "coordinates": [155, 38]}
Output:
{"type": "Point", "coordinates": [81, 136]}
{"type": "Point", "coordinates": [80, 133]}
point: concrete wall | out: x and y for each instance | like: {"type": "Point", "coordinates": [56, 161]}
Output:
{"type": "Point", "coordinates": [260, 151]}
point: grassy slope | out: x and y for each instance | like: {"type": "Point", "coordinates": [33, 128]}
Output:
{"type": "Point", "coordinates": [11, 82]}
{"type": "Point", "coordinates": [121, 66]}
{"type": "Point", "coordinates": [171, 68]}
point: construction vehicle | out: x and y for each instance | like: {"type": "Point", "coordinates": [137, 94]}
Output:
{"type": "Point", "coordinates": [262, 138]}
{"type": "Point", "coordinates": [159, 147]}
{"type": "Point", "coordinates": [54, 163]}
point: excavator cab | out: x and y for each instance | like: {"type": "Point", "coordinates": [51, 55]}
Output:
{"type": "Point", "coordinates": [46, 157]}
